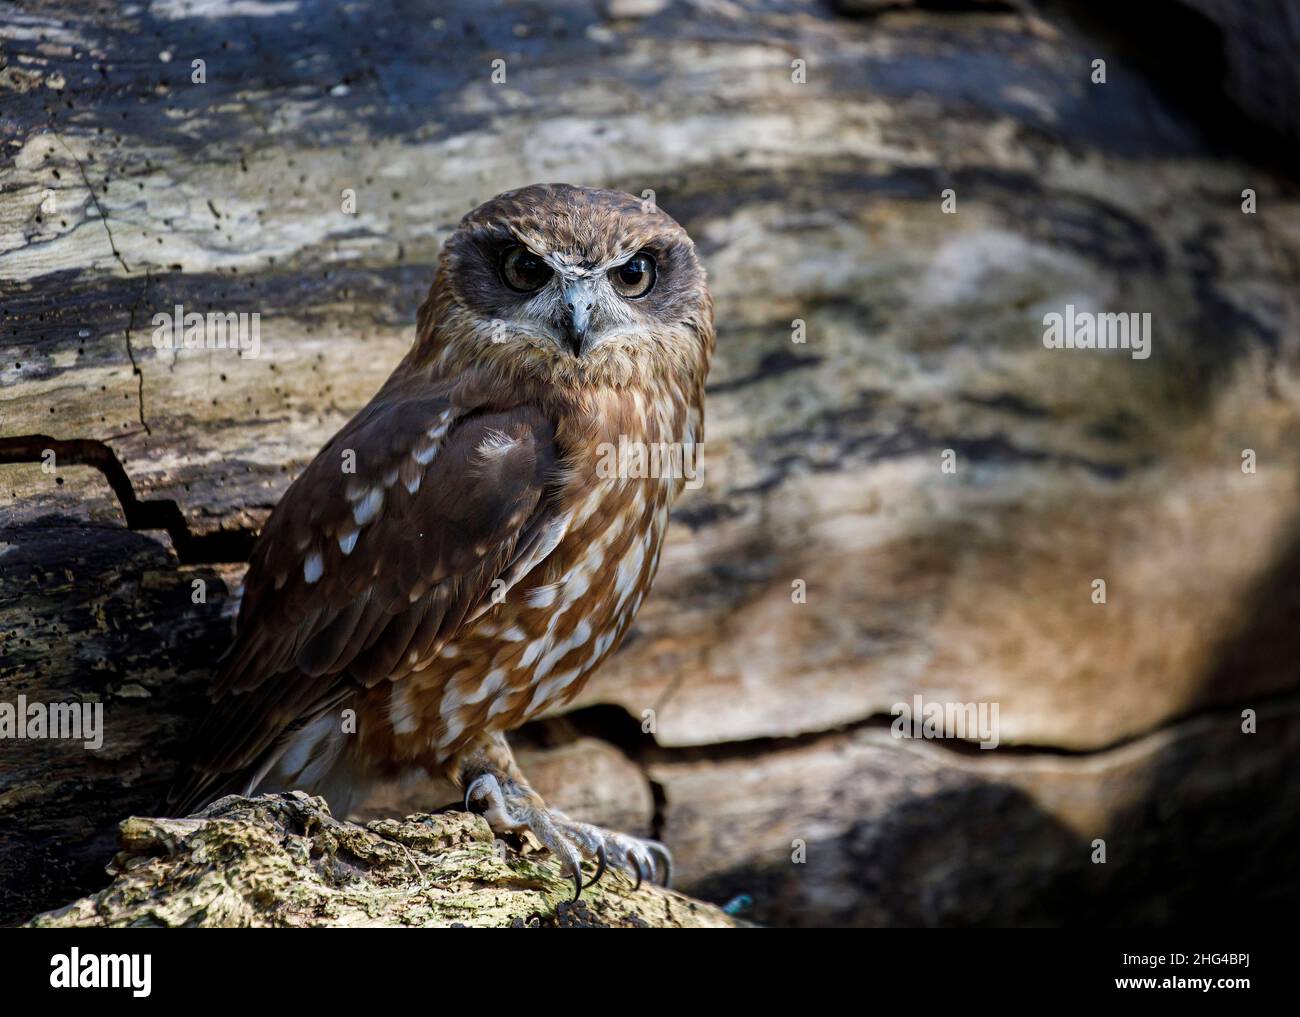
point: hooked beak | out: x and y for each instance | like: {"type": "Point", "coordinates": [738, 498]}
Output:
{"type": "Point", "coordinates": [579, 299]}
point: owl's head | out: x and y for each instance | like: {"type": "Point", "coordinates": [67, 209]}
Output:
{"type": "Point", "coordinates": [572, 285]}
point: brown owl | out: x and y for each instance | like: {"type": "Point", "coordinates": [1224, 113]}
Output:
{"type": "Point", "coordinates": [491, 547]}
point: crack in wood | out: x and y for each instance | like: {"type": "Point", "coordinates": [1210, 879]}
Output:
{"type": "Point", "coordinates": [226, 545]}
{"type": "Point", "coordinates": [112, 244]}
{"type": "Point", "coordinates": [616, 726]}
{"type": "Point", "coordinates": [135, 367]}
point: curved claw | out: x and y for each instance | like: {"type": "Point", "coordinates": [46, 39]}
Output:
{"type": "Point", "coordinates": [470, 788]}
{"type": "Point", "coordinates": [577, 884]}
{"type": "Point", "coordinates": [661, 854]}
{"type": "Point", "coordinates": [640, 870]}
{"type": "Point", "coordinates": [600, 867]}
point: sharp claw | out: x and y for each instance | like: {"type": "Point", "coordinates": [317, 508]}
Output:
{"type": "Point", "coordinates": [643, 858]}
{"type": "Point", "coordinates": [469, 790]}
{"type": "Point", "coordinates": [661, 853]}
{"type": "Point", "coordinates": [600, 868]}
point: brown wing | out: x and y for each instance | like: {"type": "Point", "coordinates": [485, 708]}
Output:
{"type": "Point", "coordinates": [359, 575]}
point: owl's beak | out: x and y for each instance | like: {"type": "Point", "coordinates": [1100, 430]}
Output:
{"type": "Point", "coordinates": [579, 299]}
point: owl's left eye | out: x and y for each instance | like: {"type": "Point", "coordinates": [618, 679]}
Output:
{"type": "Point", "coordinates": [522, 270]}
{"type": "Point", "coordinates": [636, 276]}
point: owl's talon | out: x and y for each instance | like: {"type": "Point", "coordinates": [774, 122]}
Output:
{"type": "Point", "coordinates": [659, 854]}
{"type": "Point", "coordinates": [481, 787]}
{"type": "Point", "coordinates": [509, 804]}
{"type": "Point", "coordinates": [603, 860]}
{"type": "Point", "coordinates": [639, 858]}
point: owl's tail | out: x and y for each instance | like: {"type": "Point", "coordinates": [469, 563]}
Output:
{"type": "Point", "coordinates": [243, 747]}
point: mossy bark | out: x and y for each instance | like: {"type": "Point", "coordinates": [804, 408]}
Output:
{"type": "Point", "coordinates": [284, 861]}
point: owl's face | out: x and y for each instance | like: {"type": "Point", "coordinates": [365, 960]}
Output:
{"type": "Point", "coordinates": [577, 284]}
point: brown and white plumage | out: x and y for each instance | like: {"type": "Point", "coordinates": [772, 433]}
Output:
{"type": "Point", "coordinates": [477, 566]}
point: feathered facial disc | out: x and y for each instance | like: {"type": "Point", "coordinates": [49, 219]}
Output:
{"type": "Point", "coordinates": [582, 278]}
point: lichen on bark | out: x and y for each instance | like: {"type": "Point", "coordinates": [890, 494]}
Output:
{"type": "Point", "coordinates": [285, 861]}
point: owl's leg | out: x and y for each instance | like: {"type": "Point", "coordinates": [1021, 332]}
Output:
{"type": "Point", "coordinates": [496, 788]}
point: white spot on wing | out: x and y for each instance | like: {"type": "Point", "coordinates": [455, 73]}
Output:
{"type": "Point", "coordinates": [495, 444]}
{"type": "Point", "coordinates": [313, 567]}
{"type": "Point", "coordinates": [368, 508]}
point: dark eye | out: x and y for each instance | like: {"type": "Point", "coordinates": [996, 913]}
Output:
{"type": "Point", "coordinates": [522, 270]}
{"type": "Point", "coordinates": [636, 276]}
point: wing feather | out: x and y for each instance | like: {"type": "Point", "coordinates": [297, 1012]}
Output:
{"type": "Point", "coordinates": [406, 548]}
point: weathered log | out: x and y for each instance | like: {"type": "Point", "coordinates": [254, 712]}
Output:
{"type": "Point", "coordinates": [127, 188]}
{"type": "Point", "coordinates": [284, 861]}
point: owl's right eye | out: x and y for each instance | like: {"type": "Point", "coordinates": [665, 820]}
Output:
{"type": "Point", "coordinates": [522, 270]}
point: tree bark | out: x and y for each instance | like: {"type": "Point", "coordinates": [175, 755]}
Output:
{"type": "Point", "coordinates": [830, 567]}
{"type": "Point", "coordinates": [284, 861]}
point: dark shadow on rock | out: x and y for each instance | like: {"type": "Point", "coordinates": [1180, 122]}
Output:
{"type": "Point", "coordinates": [979, 854]}
{"type": "Point", "coordinates": [1198, 849]}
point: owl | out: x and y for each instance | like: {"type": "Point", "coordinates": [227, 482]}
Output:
{"type": "Point", "coordinates": [466, 551]}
